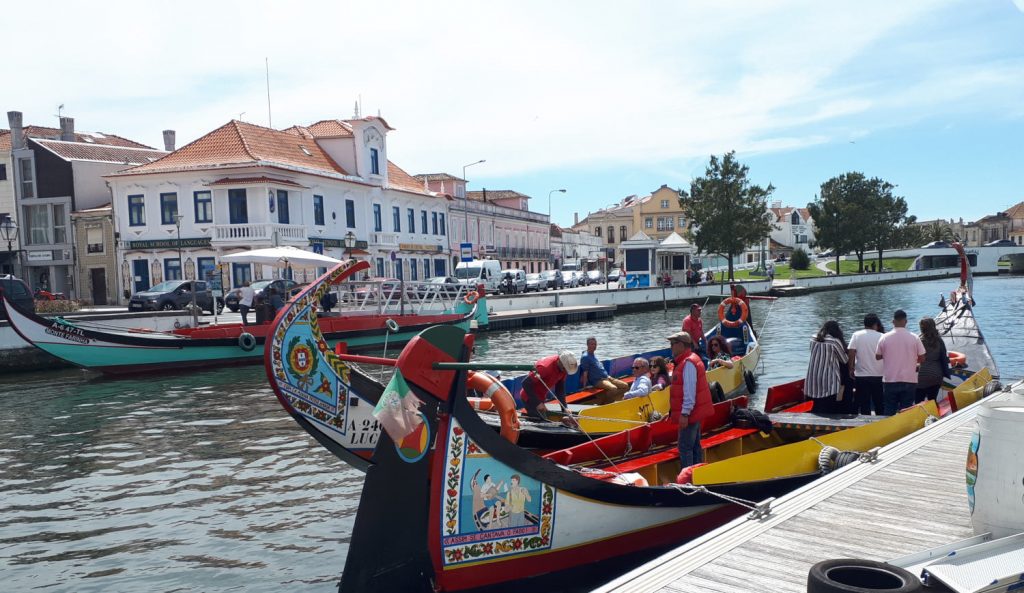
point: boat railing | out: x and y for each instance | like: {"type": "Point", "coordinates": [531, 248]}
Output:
{"type": "Point", "coordinates": [398, 297]}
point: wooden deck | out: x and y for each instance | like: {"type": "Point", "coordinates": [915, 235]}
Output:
{"type": "Point", "coordinates": [548, 316]}
{"type": "Point", "coordinates": [913, 498]}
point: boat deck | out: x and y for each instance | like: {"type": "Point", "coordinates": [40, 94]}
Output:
{"type": "Point", "coordinates": [913, 498]}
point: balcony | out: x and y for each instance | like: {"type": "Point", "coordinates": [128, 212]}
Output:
{"type": "Point", "coordinates": [387, 240]}
{"type": "Point", "coordinates": [260, 232]}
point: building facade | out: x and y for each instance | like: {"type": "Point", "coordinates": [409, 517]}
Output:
{"type": "Point", "coordinates": [96, 265]}
{"type": "Point", "coordinates": [244, 186]}
{"type": "Point", "coordinates": [612, 225]}
{"type": "Point", "coordinates": [793, 228]}
{"type": "Point", "coordinates": [8, 255]}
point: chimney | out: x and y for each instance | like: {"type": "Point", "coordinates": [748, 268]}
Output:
{"type": "Point", "coordinates": [169, 140]}
{"type": "Point", "coordinates": [575, 218]}
{"type": "Point", "coordinates": [67, 129]}
{"type": "Point", "coordinates": [17, 135]}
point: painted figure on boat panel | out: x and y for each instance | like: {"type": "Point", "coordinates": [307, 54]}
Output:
{"type": "Point", "coordinates": [826, 369]}
{"type": "Point", "coordinates": [690, 398]}
{"type": "Point", "coordinates": [935, 366]}
{"type": "Point", "coordinates": [900, 352]}
{"type": "Point", "coordinates": [592, 373]}
{"type": "Point", "coordinates": [864, 368]}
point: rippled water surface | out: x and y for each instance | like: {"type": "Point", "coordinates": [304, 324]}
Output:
{"type": "Point", "coordinates": [202, 483]}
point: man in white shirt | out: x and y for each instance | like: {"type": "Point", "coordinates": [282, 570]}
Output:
{"type": "Point", "coordinates": [245, 297]}
{"type": "Point", "coordinates": [641, 379]}
{"type": "Point", "coordinates": [865, 369]}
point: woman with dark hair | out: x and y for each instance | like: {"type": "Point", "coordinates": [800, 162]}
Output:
{"type": "Point", "coordinates": [826, 368]}
{"type": "Point", "coordinates": [936, 362]}
{"type": "Point", "coordinates": [719, 353]}
{"type": "Point", "coordinates": [660, 378]}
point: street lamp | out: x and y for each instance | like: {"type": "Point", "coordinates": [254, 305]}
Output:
{"type": "Point", "coordinates": [9, 233]}
{"type": "Point", "coordinates": [549, 220]}
{"type": "Point", "coordinates": [465, 194]}
{"type": "Point", "coordinates": [350, 242]}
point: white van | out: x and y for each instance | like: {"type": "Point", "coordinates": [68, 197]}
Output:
{"type": "Point", "coordinates": [480, 271]}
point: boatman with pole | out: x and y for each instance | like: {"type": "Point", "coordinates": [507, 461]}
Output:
{"type": "Point", "coordinates": [689, 397]}
{"type": "Point", "coordinates": [548, 376]}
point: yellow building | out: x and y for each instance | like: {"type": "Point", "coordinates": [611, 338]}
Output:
{"type": "Point", "coordinates": [659, 214]}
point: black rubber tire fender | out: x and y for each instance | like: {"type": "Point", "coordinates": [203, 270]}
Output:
{"type": "Point", "coordinates": [851, 575]}
{"type": "Point", "coordinates": [717, 393]}
{"type": "Point", "coordinates": [827, 459]}
{"type": "Point", "coordinates": [247, 341]}
{"type": "Point", "coordinates": [750, 380]}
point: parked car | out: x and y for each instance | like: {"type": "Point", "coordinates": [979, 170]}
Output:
{"type": "Point", "coordinates": [936, 245]}
{"type": "Point", "coordinates": [513, 281]}
{"type": "Point", "coordinates": [827, 253]}
{"type": "Point", "coordinates": [613, 275]}
{"type": "Point", "coordinates": [282, 285]}
{"type": "Point", "coordinates": [595, 277]}
{"type": "Point", "coordinates": [1001, 243]}
{"type": "Point", "coordinates": [329, 301]}
{"type": "Point", "coordinates": [443, 285]}
{"type": "Point", "coordinates": [171, 295]}
{"type": "Point", "coordinates": [18, 293]}
{"type": "Point", "coordinates": [552, 278]}
{"type": "Point", "coordinates": [535, 283]}
{"type": "Point", "coordinates": [569, 279]}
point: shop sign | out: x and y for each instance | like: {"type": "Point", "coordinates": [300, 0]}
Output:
{"type": "Point", "coordinates": [169, 243]}
{"type": "Point", "coordinates": [417, 247]}
{"type": "Point", "coordinates": [39, 255]}
{"type": "Point", "coordinates": [338, 243]}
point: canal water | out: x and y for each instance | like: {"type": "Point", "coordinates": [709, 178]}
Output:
{"type": "Point", "coordinates": [202, 483]}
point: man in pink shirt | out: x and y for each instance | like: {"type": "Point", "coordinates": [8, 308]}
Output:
{"type": "Point", "coordinates": [900, 352]}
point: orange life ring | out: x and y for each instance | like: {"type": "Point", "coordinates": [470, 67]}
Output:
{"type": "Point", "coordinates": [496, 397]}
{"type": "Point", "coordinates": [471, 297]}
{"type": "Point", "coordinates": [722, 308]}
{"type": "Point", "coordinates": [957, 359]}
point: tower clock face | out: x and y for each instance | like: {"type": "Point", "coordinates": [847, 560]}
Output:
{"type": "Point", "coordinates": [372, 136]}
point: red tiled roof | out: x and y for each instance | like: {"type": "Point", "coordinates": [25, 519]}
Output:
{"type": "Point", "coordinates": [240, 143]}
{"type": "Point", "coordinates": [330, 128]}
{"type": "Point", "coordinates": [786, 211]}
{"type": "Point", "coordinates": [1015, 212]}
{"type": "Point", "coordinates": [81, 151]}
{"type": "Point", "coordinates": [45, 133]}
{"type": "Point", "coordinates": [437, 177]}
{"type": "Point", "coordinates": [254, 180]}
{"type": "Point", "coordinates": [496, 194]}
{"type": "Point", "coordinates": [399, 179]}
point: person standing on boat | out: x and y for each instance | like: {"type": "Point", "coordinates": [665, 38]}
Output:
{"type": "Point", "coordinates": [900, 352]}
{"type": "Point", "coordinates": [641, 379]}
{"type": "Point", "coordinates": [935, 366]}
{"type": "Point", "coordinates": [693, 325]}
{"type": "Point", "coordinates": [826, 368]}
{"type": "Point", "coordinates": [690, 398]}
{"type": "Point", "coordinates": [864, 368]}
{"type": "Point", "coordinates": [245, 296]}
{"type": "Point", "coordinates": [547, 377]}
{"type": "Point", "coordinates": [592, 374]}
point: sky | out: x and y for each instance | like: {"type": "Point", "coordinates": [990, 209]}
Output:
{"type": "Point", "coordinates": [603, 99]}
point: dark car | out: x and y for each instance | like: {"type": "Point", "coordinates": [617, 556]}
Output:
{"type": "Point", "coordinates": [171, 295]}
{"type": "Point", "coordinates": [282, 285]}
{"type": "Point", "coordinates": [18, 293]}
{"type": "Point", "coordinates": [1001, 243]}
{"type": "Point", "coordinates": [936, 245]}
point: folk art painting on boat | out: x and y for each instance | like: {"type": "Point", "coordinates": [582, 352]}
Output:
{"type": "Point", "coordinates": [479, 510]}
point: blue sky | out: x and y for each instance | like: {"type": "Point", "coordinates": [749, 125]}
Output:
{"type": "Point", "coordinates": [600, 98]}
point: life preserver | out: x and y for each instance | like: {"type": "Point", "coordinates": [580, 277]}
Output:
{"type": "Point", "coordinates": [246, 341]}
{"type": "Point", "coordinates": [499, 399]}
{"type": "Point", "coordinates": [471, 297]}
{"type": "Point", "coordinates": [957, 359]}
{"type": "Point", "coordinates": [723, 307]}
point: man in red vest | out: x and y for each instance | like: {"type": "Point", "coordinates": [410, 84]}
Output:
{"type": "Point", "coordinates": [548, 378]}
{"type": "Point", "coordinates": [690, 398]}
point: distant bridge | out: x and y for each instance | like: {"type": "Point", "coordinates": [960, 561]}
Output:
{"type": "Point", "coordinates": [984, 260]}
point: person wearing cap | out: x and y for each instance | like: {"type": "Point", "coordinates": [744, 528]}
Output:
{"type": "Point", "coordinates": [547, 377]}
{"type": "Point", "coordinates": [900, 352]}
{"type": "Point", "coordinates": [690, 398]}
{"type": "Point", "coordinates": [693, 325]}
{"type": "Point", "coordinates": [592, 374]}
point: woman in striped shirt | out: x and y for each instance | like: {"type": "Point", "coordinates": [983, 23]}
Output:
{"type": "Point", "coordinates": [824, 383]}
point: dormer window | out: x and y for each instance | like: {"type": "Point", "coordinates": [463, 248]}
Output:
{"type": "Point", "coordinates": [794, 218]}
{"type": "Point", "coordinates": [374, 162]}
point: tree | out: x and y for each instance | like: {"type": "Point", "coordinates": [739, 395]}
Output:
{"type": "Point", "coordinates": [854, 213]}
{"type": "Point", "coordinates": [892, 227]}
{"type": "Point", "coordinates": [799, 260]}
{"type": "Point", "coordinates": [725, 212]}
{"type": "Point", "coordinates": [938, 231]}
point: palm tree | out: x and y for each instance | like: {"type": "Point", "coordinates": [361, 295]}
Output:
{"type": "Point", "coordinates": [938, 231]}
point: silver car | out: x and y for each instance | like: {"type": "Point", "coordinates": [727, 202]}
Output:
{"type": "Point", "coordinates": [535, 283]}
{"type": "Point", "coordinates": [569, 279]}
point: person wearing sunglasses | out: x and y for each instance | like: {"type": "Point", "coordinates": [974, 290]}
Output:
{"type": "Point", "coordinates": [641, 379]}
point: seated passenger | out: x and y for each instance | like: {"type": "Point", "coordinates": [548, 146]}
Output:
{"type": "Point", "coordinates": [660, 378]}
{"type": "Point", "coordinates": [641, 379]}
{"type": "Point", "coordinates": [719, 354]}
{"type": "Point", "coordinates": [592, 374]}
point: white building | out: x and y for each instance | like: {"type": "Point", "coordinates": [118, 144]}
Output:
{"type": "Point", "coordinates": [7, 207]}
{"type": "Point", "coordinates": [244, 186]}
{"type": "Point", "coordinates": [581, 247]}
{"type": "Point", "coordinates": [794, 228]}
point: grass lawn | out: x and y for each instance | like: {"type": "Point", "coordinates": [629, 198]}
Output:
{"type": "Point", "coordinates": [894, 264]}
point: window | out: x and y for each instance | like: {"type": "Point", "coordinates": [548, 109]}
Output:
{"type": "Point", "coordinates": [611, 234]}
{"type": "Point", "coordinates": [398, 269]}
{"type": "Point", "coordinates": [350, 214]}
{"type": "Point", "coordinates": [374, 162]}
{"type": "Point", "coordinates": [396, 218]}
{"type": "Point", "coordinates": [801, 238]}
{"type": "Point", "coordinates": [413, 275]}
{"type": "Point", "coordinates": [378, 224]}
{"type": "Point", "coordinates": [622, 233]}
{"type": "Point", "coordinates": [597, 231]}
{"type": "Point", "coordinates": [433, 222]}
{"type": "Point", "coordinates": [411, 214]}
{"type": "Point", "coordinates": [38, 218]}
{"type": "Point", "coordinates": [439, 267]}
{"type": "Point", "coordinates": [444, 231]}
{"type": "Point", "coordinates": [203, 206]}
{"type": "Point", "coordinates": [60, 226]}
{"type": "Point", "coordinates": [28, 184]}
{"type": "Point", "coordinates": [682, 222]}
{"type": "Point", "coordinates": [240, 274]}
{"type": "Point", "coordinates": [94, 240]}
{"type": "Point", "coordinates": [168, 208]}
{"type": "Point", "coordinates": [137, 210]}
{"type": "Point", "coordinates": [3, 172]}
{"type": "Point", "coordinates": [282, 207]}
{"type": "Point", "coordinates": [172, 269]}
{"type": "Point", "coordinates": [664, 203]}
{"type": "Point", "coordinates": [318, 210]}
{"type": "Point", "coordinates": [208, 270]}
{"type": "Point", "coordinates": [649, 223]}
{"type": "Point", "coordinates": [380, 267]}
{"type": "Point", "coordinates": [423, 221]}
{"type": "Point", "coordinates": [794, 218]}
{"type": "Point", "coordinates": [238, 207]}
{"type": "Point", "coordinates": [665, 223]}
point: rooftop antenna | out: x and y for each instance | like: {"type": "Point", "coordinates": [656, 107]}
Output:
{"type": "Point", "coordinates": [240, 116]}
{"type": "Point", "coordinates": [270, 120]}
{"type": "Point", "coordinates": [60, 109]}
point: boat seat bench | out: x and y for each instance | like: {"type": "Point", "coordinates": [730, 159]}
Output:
{"type": "Point", "coordinates": [672, 453]}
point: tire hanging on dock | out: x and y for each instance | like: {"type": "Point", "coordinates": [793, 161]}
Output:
{"type": "Point", "coordinates": [852, 575]}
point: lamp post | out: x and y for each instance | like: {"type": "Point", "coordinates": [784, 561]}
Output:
{"type": "Point", "coordinates": [350, 242]}
{"type": "Point", "coordinates": [549, 220]}
{"type": "Point", "coordinates": [465, 194]}
{"type": "Point", "coordinates": [9, 233]}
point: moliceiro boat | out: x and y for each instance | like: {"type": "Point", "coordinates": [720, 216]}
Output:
{"type": "Point", "coordinates": [370, 316]}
